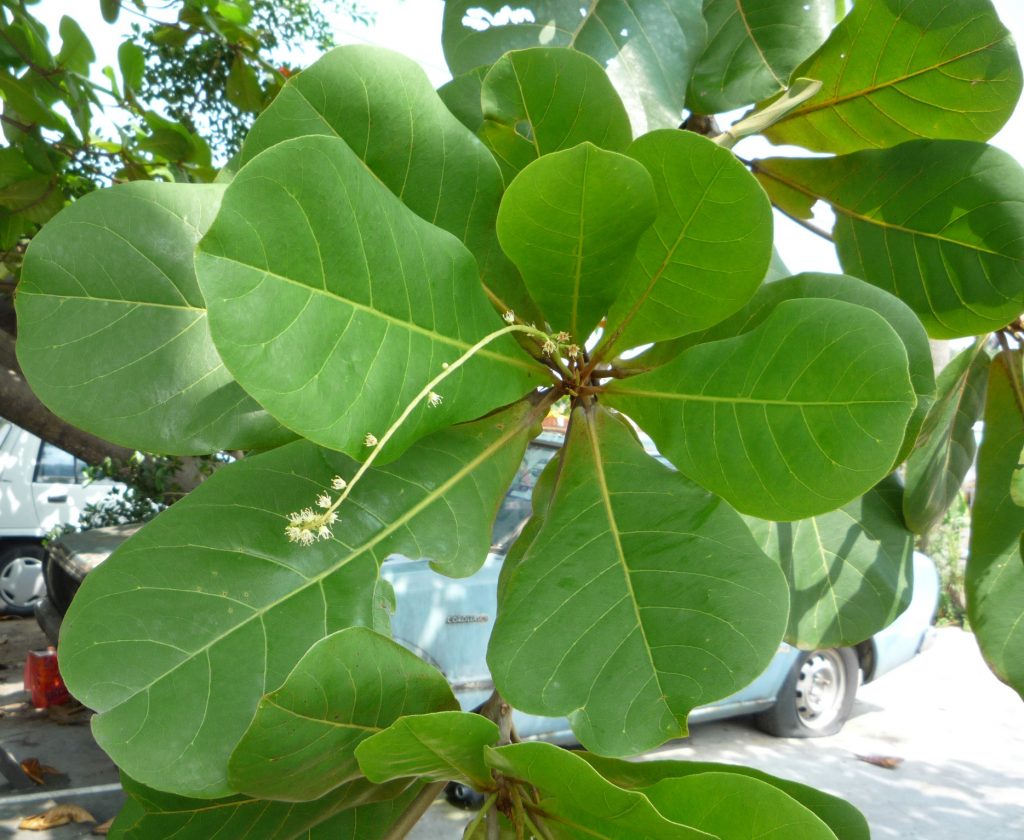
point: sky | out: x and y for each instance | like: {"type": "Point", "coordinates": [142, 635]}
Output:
{"type": "Point", "coordinates": [413, 27]}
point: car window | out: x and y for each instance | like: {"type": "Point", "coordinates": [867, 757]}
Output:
{"type": "Point", "coordinates": [515, 508]}
{"type": "Point", "coordinates": [55, 466]}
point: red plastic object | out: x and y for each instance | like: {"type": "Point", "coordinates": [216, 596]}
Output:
{"type": "Point", "coordinates": [43, 680]}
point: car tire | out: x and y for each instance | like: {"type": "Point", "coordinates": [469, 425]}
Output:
{"type": "Point", "coordinates": [816, 697]}
{"type": "Point", "coordinates": [463, 796]}
{"type": "Point", "coordinates": [21, 578]}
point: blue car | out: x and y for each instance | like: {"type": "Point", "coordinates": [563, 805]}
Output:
{"type": "Point", "coordinates": [447, 622]}
{"type": "Point", "coordinates": [801, 694]}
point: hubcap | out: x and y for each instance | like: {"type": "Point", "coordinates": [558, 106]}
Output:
{"type": "Point", "coordinates": [21, 582]}
{"type": "Point", "coordinates": [820, 689]}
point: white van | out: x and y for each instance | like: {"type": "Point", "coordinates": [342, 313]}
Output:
{"type": "Point", "coordinates": [41, 487]}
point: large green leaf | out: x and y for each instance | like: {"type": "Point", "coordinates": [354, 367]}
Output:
{"type": "Point", "coordinates": [708, 249]}
{"type": "Point", "coordinates": [334, 305]}
{"type": "Point", "coordinates": [209, 600]}
{"type": "Point", "coordinates": [438, 747]}
{"type": "Point", "coordinates": [897, 70]}
{"type": "Point", "coordinates": [850, 571]}
{"type": "Point", "coordinates": [995, 573]}
{"type": "Point", "coordinates": [639, 598]}
{"type": "Point", "coordinates": [845, 821]}
{"type": "Point", "coordinates": [753, 47]}
{"type": "Point", "coordinates": [570, 221]}
{"type": "Point", "coordinates": [382, 104]}
{"type": "Point", "coordinates": [836, 287]}
{"type": "Point", "coordinates": [462, 97]}
{"type": "Point", "coordinates": [541, 100]}
{"type": "Point", "coordinates": [934, 222]}
{"type": "Point", "coordinates": [737, 807]}
{"type": "Point", "coordinates": [791, 419]}
{"type": "Point", "coordinates": [946, 447]}
{"type": "Point", "coordinates": [351, 684]}
{"type": "Point", "coordinates": [112, 330]}
{"type": "Point", "coordinates": [648, 49]}
{"type": "Point", "coordinates": [153, 815]}
{"type": "Point", "coordinates": [579, 802]}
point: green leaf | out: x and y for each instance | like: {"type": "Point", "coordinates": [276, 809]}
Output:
{"type": "Point", "coordinates": [753, 47]}
{"type": "Point", "coordinates": [835, 287]}
{"type": "Point", "coordinates": [150, 814]}
{"type": "Point", "coordinates": [995, 573]}
{"type": "Point", "coordinates": [113, 333]}
{"type": "Point", "coordinates": [210, 599]}
{"type": "Point", "coordinates": [438, 747]}
{"type": "Point", "coordinates": [737, 807]}
{"type": "Point", "coordinates": [845, 821]}
{"type": "Point", "coordinates": [789, 420]}
{"type": "Point", "coordinates": [322, 285]}
{"type": "Point", "coordinates": [708, 250]}
{"type": "Point", "coordinates": [933, 222]}
{"type": "Point", "coordinates": [354, 683]}
{"type": "Point", "coordinates": [946, 447]}
{"type": "Point", "coordinates": [898, 70]}
{"type": "Point", "coordinates": [570, 221]}
{"type": "Point", "coordinates": [542, 100]}
{"type": "Point", "coordinates": [582, 803]}
{"type": "Point", "coordinates": [243, 87]}
{"type": "Point", "coordinates": [639, 598]}
{"type": "Point", "coordinates": [76, 53]}
{"type": "Point", "coordinates": [462, 97]}
{"type": "Point", "coordinates": [110, 9]}
{"type": "Point", "coordinates": [132, 63]}
{"type": "Point", "coordinates": [648, 49]}
{"type": "Point", "coordinates": [382, 104]}
{"type": "Point", "coordinates": [850, 571]}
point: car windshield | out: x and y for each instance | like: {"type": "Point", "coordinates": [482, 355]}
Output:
{"type": "Point", "coordinates": [515, 508]}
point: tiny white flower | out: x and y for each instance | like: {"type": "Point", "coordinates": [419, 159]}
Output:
{"type": "Point", "coordinates": [564, 337]}
{"type": "Point", "coordinates": [509, 317]}
{"type": "Point", "coordinates": [434, 399]}
{"type": "Point", "coordinates": [323, 532]}
{"type": "Point", "coordinates": [295, 518]}
{"type": "Point", "coordinates": [338, 483]}
{"type": "Point", "coordinates": [573, 350]}
{"type": "Point", "coordinates": [294, 534]}
{"type": "Point", "coordinates": [370, 440]}
{"type": "Point", "coordinates": [323, 500]}
{"type": "Point", "coordinates": [550, 347]}
{"type": "Point", "coordinates": [306, 538]}
{"type": "Point", "coordinates": [306, 515]}
{"type": "Point", "coordinates": [330, 518]}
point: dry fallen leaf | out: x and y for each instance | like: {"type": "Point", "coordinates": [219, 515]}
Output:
{"type": "Point", "coordinates": [37, 772]}
{"type": "Point", "coordinates": [68, 714]}
{"type": "Point", "coordinates": [57, 815]}
{"type": "Point", "coordinates": [103, 828]}
{"type": "Point", "coordinates": [889, 762]}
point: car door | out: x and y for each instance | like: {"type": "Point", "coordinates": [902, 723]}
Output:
{"type": "Point", "coordinates": [59, 487]}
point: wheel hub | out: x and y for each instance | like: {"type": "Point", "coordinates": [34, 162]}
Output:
{"type": "Point", "coordinates": [21, 582]}
{"type": "Point", "coordinates": [820, 689]}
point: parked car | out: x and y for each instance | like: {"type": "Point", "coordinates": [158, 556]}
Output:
{"type": "Point", "coordinates": [41, 487]}
{"type": "Point", "coordinates": [448, 622]}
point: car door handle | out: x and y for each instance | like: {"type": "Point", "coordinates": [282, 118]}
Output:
{"type": "Point", "coordinates": [57, 499]}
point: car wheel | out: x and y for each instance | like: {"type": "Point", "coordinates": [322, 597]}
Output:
{"type": "Point", "coordinates": [816, 697]}
{"type": "Point", "coordinates": [21, 579]}
{"type": "Point", "coordinates": [463, 796]}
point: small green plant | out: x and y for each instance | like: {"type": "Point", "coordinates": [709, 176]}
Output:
{"type": "Point", "coordinates": [385, 295]}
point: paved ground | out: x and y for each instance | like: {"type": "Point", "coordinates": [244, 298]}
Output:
{"type": "Point", "coordinates": [958, 730]}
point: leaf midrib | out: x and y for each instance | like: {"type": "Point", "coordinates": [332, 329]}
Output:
{"type": "Point", "coordinates": [410, 326]}
{"type": "Point", "coordinates": [620, 554]}
{"type": "Point", "coordinates": [664, 395]}
{"type": "Point", "coordinates": [316, 580]}
{"type": "Point", "coordinates": [852, 214]}
{"type": "Point", "coordinates": [872, 89]}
